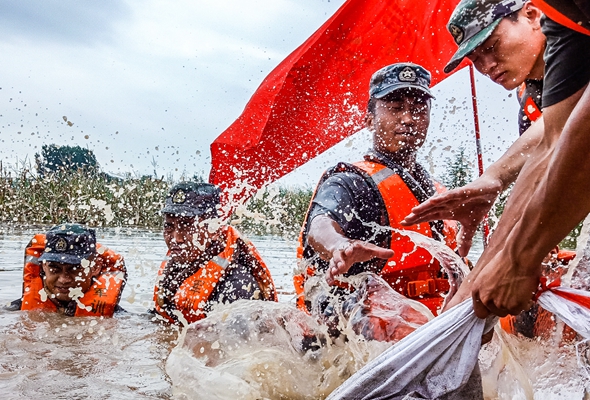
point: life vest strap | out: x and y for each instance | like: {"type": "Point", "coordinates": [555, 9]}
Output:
{"type": "Point", "coordinates": [32, 259]}
{"type": "Point", "coordinates": [427, 286]}
{"type": "Point", "coordinates": [531, 110]}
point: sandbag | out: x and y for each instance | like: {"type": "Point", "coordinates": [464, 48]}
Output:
{"type": "Point", "coordinates": [438, 359]}
{"type": "Point", "coordinates": [434, 361]}
{"type": "Point", "coordinates": [572, 306]}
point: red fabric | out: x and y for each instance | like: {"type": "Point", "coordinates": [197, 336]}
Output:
{"type": "Point", "coordinates": [317, 96]}
{"type": "Point", "coordinates": [579, 299]}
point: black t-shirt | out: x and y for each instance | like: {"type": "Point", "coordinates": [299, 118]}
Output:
{"type": "Point", "coordinates": [567, 62]}
{"type": "Point", "coordinates": [355, 204]}
{"type": "Point", "coordinates": [533, 89]}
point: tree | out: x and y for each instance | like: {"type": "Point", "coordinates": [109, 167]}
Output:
{"type": "Point", "coordinates": [458, 172]}
{"type": "Point", "coordinates": [60, 159]}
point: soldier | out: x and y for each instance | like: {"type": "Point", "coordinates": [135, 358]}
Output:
{"type": "Point", "coordinates": [209, 262]}
{"type": "Point", "coordinates": [67, 271]}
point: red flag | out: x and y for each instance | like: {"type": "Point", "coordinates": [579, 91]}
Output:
{"type": "Point", "coordinates": [317, 96]}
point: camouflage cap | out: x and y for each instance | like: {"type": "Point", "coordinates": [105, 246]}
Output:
{"type": "Point", "coordinates": [473, 21]}
{"type": "Point", "coordinates": [192, 199]}
{"type": "Point", "coordinates": [69, 244]}
{"type": "Point", "coordinates": [399, 76]}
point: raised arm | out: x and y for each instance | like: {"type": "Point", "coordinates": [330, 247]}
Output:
{"type": "Point", "coordinates": [471, 203]}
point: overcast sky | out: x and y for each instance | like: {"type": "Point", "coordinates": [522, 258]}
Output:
{"type": "Point", "coordinates": [147, 81]}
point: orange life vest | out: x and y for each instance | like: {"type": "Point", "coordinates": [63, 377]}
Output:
{"type": "Point", "coordinates": [565, 13]}
{"type": "Point", "coordinates": [193, 294]}
{"type": "Point", "coordinates": [100, 300]}
{"type": "Point", "coordinates": [412, 271]}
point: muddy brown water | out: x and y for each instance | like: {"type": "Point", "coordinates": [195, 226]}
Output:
{"type": "Point", "coordinates": [46, 355]}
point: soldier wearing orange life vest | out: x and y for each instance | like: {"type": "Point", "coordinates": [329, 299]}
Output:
{"type": "Point", "coordinates": [209, 262]}
{"type": "Point", "coordinates": [348, 226]}
{"type": "Point", "coordinates": [505, 39]}
{"type": "Point", "coordinates": [67, 271]}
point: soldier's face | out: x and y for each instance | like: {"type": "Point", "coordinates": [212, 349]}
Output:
{"type": "Point", "coordinates": [400, 123]}
{"type": "Point", "coordinates": [62, 280]}
{"type": "Point", "coordinates": [513, 51]}
{"type": "Point", "coordinates": [186, 237]}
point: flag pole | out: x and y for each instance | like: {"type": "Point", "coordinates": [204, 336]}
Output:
{"type": "Point", "coordinates": [486, 228]}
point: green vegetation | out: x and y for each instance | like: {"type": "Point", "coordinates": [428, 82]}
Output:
{"type": "Point", "coordinates": [71, 193]}
{"type": "Point", "coordinates": [458, 172]}
{"type": "Point", "coordinates": [569, 242]}
{"type": "Point", "coordinates": [274, 211]}
{"type": "Point", "coordinates": [56, 159]}
{"type": "Point", "coordinates": [66, 185]}
{"type": "Point", "coordinates": [76, 196]}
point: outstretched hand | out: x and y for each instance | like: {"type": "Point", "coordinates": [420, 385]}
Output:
{"type": "Point", "coordinates": [469, 205]}
{"type": "Point", "coordinates": [349, 252]}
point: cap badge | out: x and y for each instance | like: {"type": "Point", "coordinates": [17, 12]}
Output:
{"type": "Point", "coordinates": [179, 197]}
{"type": "Point", "coordinates": [61, 245]}
{"type": "Point", "coordinates": [407, 75]}
{"type": "Point", "coordinates": [457, 33]}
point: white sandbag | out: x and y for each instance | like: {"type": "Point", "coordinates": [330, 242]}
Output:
{"type": "Point", "coordinates": [570, 305]}
{"type": "Point", "coordinates": [436, 360]}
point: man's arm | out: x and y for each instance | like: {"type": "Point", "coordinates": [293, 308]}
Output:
{"type": "Point", "coordinates": [471, 203]}
{"type": "Point", "coordinates": [549, 198]}
{"type": "Point", "coordinates": [327, 238]}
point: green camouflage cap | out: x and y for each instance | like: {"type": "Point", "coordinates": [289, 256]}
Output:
{"type": "Point", "coordinates": [400, 76]}
{"type": "Point", "coordinates": [473, 21]}
{"type": "Point", "coordinates": [69, 244]}
{"type": "Point", "coordinates": [190, 199]}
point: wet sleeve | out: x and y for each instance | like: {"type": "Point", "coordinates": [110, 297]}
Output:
{"type": "Point", "coordinates": [348, 200]}
{"type": "Point", "coordinates": [14, 305]}
{"type": "Point", "coordinates": [567, 62]}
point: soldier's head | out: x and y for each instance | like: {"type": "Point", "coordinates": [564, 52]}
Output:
{"type": "Point", "coordinates": [398, 112]}
{"type": "Point", "coordinates": [502, 38]}
{"type": "Point", "coordinates": [191, 219]}
{"type": "Point", "coordinates": [69, 261]}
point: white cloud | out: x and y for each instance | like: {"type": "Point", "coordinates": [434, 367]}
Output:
{"type": "Point", "coordinates": [171, 75]}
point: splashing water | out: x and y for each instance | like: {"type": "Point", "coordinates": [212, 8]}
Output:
{"type": "Point", "coordinates": [253, 349]}
{"type": "Point", "coordinates": [46, 354]}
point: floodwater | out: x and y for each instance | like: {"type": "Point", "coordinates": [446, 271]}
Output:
{"type": "Point", "coordinates": [49, 355]}
{"type": "Point", "coordinates": [134, 356]}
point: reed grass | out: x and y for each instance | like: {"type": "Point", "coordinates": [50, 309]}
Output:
{"type": "Point", "coordinates": [98, 200]}
{"type": "Point", "coordinates": [274, 211]}
{"type": "Point", "coordinates": [76, 196]}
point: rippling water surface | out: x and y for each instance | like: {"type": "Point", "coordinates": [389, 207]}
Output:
{"type": "Point", "coordinates": [48, 355]}
{"type": "Point", "coordinates": [45, 355]}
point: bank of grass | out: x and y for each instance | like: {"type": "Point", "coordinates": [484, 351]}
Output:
{"type": "Point", "coordinates": [99, 200]}
{"type": "Point", "coordinates": [76, 196]}
{"type": "Point", "coordinates": [274, 211]}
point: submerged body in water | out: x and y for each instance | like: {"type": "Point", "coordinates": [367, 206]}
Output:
{"type": "Point", "coordinates": [132, 356]}
{"type": "Point", "coordinates": [275, 351]}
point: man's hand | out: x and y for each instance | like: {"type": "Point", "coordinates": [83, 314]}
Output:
{"type": "Point", "coordinates": [503, 288]}
{"type": "Point", "coordinates": [498, 287]}
{"type": "Point", "coordinates": [469, 205]}
{"type": "Point", "coordinates": [348, 252]}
